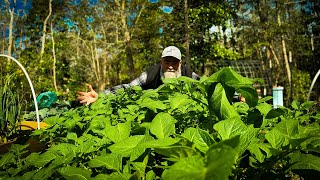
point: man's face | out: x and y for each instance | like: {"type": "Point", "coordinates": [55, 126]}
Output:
{"type": "Point", "coordinates": [171, 67]}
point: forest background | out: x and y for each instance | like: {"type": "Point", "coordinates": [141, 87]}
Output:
{"type": "Point", "coordinates": [66, 44]}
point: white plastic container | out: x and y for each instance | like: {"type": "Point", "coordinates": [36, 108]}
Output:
{"type": "Point", "coordinates": [277, 94]}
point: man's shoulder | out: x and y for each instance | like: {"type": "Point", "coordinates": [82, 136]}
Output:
{"type": "Point", "coordinates": [153, 67]}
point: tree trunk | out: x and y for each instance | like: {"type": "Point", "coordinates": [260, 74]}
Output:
{"type": "Point", "coordinates": [11, 11]}
{"type": "Point", "coordinates": [285, 57]}
{"type": "Point", "coordinates": [44, 29]}
{"type": "Point", "coordinates": [187, 34]}
{"type": "Point", "coordinates": [54, 60]}
{"type": "Point", "coordinates": [127, 37]}
{"type": "Point", "coordinates": [277, 68]}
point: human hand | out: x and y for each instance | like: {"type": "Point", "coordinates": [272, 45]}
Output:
{"type": "Point", "coordinates": [88, 97]}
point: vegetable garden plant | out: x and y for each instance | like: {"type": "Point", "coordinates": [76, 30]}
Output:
{"type": "Point", "coordinates": [185, 129]}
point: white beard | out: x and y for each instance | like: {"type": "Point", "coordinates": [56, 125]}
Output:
{"type": "Point", "coordinates": [172, 74]}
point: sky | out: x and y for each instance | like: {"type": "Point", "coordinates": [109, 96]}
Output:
{"type": "Point", "coordinates": [20, 5]}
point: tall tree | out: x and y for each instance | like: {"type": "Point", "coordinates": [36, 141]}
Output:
{"type": "Point", "coordinates": [11, 8]}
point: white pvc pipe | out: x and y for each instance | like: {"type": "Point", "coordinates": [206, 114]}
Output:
{"type": "Point", "coordinates": [32, 89]}
{"type": "Point", "coordinates": [312, 84]}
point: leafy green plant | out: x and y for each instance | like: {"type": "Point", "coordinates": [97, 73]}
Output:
{"type": "Point", "coordinates": [10, 106]}
{"type": "Point", "coordinates": [185, 129]}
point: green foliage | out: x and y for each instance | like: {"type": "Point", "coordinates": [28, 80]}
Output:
{"type": "Point", "coordinates": [221, 53]}
{"type": "Point", "coordinates": [10, 107]}
{"type": "Point", "coordinates": [185, 129]}
{"type": "Point", "coordinates": [301, 82]}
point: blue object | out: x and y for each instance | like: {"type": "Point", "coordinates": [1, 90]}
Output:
{"type": "Point", "coordinates": [46, 99]}
{"type": "Point", "coordinates": [277, 94]}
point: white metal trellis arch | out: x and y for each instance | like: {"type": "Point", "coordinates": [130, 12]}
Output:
{"type": "Point", "coordinates": [31, 86]}
{"type": "Point", "coordinates": [312, 84]}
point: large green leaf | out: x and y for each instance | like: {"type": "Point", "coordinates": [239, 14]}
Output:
{"type": "Point", "coordinates": [230, 77]}
{"type": "Point", "coordinates": [232, 127]}
{"type": "Point", "coordinates": [75, 173]}
{"type": "Point", "coordinates": [110, 161]}
{"type": "Point", "coordinates": [119, 132]}
{"type": "Point", "coordinates": [220, 160]}
{"type": "Point", "coordinates": [192, 168]}
{"type": "Point", "coordinates": [163, 125]}
{"type": "Point", "coordinates": [153, 104]}
{"type": "Point", "coordinates": [288, 128]}
{"type": "Point", "coordinates": [126, 146]}
{"type": "Point", "coordinates": [285, 132]}
{"type": "Point", "coordinates": [43, 173]}
{"type": "Point", "coordinates": [275, 138]}
{"type": "Point", "coordinates": [200, 138]}
{"type": "Point", "coordinates": [180, 100]}
{"type": "Point", "coordinates": [43, 159]}
{"type": "Point", "coordinates": [220, 105]}
{"type": "Point", "coordinates": [264, 108]}
{"type": "Point", "coordinates": [273, 113]}
{"type": "Point", "coordinates": [304, 161]}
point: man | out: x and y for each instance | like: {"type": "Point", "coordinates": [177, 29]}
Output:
{"type": "Point", "coordinates": [170, 66]}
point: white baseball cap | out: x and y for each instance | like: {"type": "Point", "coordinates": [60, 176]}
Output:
{"type": "Point", "coordinates": [171, 51]}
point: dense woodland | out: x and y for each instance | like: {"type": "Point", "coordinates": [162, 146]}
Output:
{"type": "Point", "coordinates": [66, 44]}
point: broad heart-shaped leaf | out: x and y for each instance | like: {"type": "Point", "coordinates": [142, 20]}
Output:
{"type": "Point", "coordinates": [163, 125]}
{"type": "Point", "coordinates": [264, 108]}
{"type": "Point", "coordinates": [288, 127]}
{"type": "Point", "coordinates": [273, 113]}
{"type": "Point", "coordinates": [110, 161]}
{"type": "Point", "coordinates": [126, 146]}
{"type": "Point", "coordinates": [191, 168]}
{"type": "Point", "coordinates": [119, 132]}
{"type": "Point", "coordinates": [282, 132]}
{"type": "Point", "coordinates": [135, 146]}
{"type": "Point", "coordinates": [153, 104]}
{"type": "Point", "coordinates": [230, 127]}
{"type": "Point", "coordinates": [295, 104]}
{"type": "Point", "coordinates": [233, 127]}
{"type": "Point", "coordinates": [200, 138]}
{"type": "Point", "coordinates": [220, 105]}
{"type": "Point", "coordinates": [304, 161]}
{"type": "Point", "coordinates": [75, 173]}
{"type": "Point", "coordinates": [180, 100]}
{"type": "Point", "coordinates": [43, 159]}
{"type": "Point", "coordinates": [287, 132]}
{"type": "Point", "coordinates": [275, 138]}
